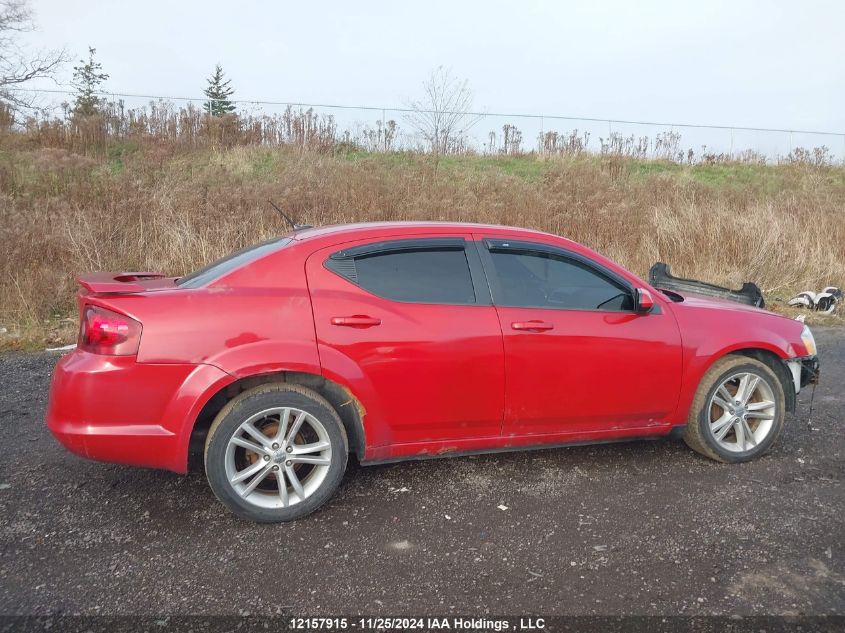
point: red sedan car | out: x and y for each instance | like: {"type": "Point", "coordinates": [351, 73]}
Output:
{"type": "Point", "coordinates": [408, 340]}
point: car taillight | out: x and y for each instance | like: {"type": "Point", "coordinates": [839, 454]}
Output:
{"type": "Point", "coordinates": [102, 331]}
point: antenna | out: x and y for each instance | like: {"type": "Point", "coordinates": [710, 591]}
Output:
{"type": "Point", "coordinates": [293, 224]}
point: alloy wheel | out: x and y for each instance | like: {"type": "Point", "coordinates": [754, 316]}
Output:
{"type": "Point", "coordinates": [278, 457]}
{"type": "Point", "coordinates": [742, 412]}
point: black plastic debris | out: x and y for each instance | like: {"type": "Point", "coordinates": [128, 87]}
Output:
{"type": "Point", "coordinates": [660, 276]}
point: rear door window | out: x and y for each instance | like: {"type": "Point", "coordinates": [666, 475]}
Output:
{"type": "Point", "coordinates": [403, 271]}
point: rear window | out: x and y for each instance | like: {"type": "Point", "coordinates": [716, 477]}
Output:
{"type": "Point", "coordinates": [217, 269]}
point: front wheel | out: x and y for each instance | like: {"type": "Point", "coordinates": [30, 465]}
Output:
{"type": "Point", "coordinates": [275, 453]}
{"type": "Point", "coordinates": [738, 411]}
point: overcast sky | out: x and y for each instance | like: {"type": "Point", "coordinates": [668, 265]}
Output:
{"type": "Point", "coordinates": [775, 63]}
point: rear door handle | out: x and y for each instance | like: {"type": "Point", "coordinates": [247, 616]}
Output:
{"type": "Point", "coordinates": [357, 320]}
{"type": "Point", "coordinates": [532, 326]}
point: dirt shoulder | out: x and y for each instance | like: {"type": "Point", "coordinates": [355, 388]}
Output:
{"type": "Point", "coordinates": [639, 528]}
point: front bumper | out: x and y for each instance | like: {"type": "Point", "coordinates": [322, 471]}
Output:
{"type": "Point", "coordinates": [804, 370]}
{"type": "Point", "coordinates": [809, 371]}
{"type": "Point", "coordinates": [114, 409]}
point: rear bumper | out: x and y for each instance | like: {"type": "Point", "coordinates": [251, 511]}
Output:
{"type": "Point", "coordinates": [114, 409]}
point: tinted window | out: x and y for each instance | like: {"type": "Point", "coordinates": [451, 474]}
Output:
{"type": "Point", "coordinates": [420, 276]}
{"type": "Point", "coordinates": [230, 262]}
{"type": "Point", "coordinates": [553, 281]}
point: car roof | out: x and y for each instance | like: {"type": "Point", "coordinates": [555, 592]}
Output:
{"type": "Point", "coordinates": [366, 229]}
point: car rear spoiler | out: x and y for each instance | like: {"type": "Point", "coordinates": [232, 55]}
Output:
{"type": "Point", "coordinates": [661, 277]}
{"type": "Point", "coordinates": [116, 282]}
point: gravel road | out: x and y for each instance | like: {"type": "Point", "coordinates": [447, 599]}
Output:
{"type": "Point", "coordinates": [638, 528]}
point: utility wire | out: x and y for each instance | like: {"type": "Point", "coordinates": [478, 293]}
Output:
{"type": "Point", "coordinates": [514, 115]}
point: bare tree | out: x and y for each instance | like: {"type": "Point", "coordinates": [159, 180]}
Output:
{"type": "Point", "coordinates": [444, 115]}
{"type": "Point", "coordinates": [18, 66]}
{"type": "Point", "coordinates": [511, 139]}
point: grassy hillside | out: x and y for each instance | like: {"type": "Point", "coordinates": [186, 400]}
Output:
{"type": "Point", "coordinates": [154, 206]}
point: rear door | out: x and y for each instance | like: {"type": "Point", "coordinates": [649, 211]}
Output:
{"type": "Point", "coordinates": [408, 325]}
{"type": "Point", "coordinates": [578, 358]}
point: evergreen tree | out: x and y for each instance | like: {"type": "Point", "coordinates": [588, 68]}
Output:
{"type": "Point", "coordinates": [87, 79]}
{"type": "Point", "coordinates": [218, 93]}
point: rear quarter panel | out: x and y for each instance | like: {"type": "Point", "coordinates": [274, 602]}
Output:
{"type": "Point", "coordinates": [256, 319]}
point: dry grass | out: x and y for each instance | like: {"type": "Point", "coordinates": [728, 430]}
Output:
{"type": "Point", "coordinates": [162, 206]}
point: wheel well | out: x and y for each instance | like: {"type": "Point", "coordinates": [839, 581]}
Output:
{"type": "Point", "coordinates": [775, 363]}
{"type": "Point", "coordinates": [346, 405]}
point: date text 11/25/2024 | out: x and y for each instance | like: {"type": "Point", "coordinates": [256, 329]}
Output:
{"type": "Point", "coordinates": [428, 623]}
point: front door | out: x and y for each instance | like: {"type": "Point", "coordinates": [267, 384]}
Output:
{"type": "Point", "coordinates": [408, 325]}
{"type": "Point", "coordinates": [578, 358]}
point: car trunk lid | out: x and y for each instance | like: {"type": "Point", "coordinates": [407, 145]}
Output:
{"type": "Point", "coordinates": [125, 282]}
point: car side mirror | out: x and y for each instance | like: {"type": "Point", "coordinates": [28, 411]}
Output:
{"type": "Point", "coordinates": [644, 301]}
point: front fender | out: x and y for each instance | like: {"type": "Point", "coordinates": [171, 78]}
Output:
{"type": "Point", "coordinates": [699, 360]}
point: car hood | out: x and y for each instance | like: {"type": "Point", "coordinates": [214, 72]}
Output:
{"type": "Point", "coordinates": [693, 300]}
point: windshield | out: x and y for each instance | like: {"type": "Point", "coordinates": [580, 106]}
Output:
{"type": "Point", "coordinates": [229, 263]}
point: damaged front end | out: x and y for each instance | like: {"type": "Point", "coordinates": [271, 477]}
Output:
{"type": "Point", "coordinates": [804, 370]}
{"type": "Point", "coordinates": [661, 277]}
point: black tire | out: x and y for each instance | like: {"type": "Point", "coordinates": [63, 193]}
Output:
{"type": "Point", "coordinates": [698, 435]}
{"type": "Point", "coordinates": [255, 401]}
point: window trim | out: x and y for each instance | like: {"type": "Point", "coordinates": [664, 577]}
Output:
{"type": "Point", "coordinates": [503, 245]}
{"type": "Point", "coordinates": [338, 261]}
{"type": "Point", "coordinates": [393, 246]}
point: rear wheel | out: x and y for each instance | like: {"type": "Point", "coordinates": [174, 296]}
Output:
{"type": "Point", "coordinates": [738, 411]}
{"type": "Point", "coordinates": [275, 453]}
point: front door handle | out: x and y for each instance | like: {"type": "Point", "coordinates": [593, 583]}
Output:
{"type": "Point", "coordinates": [357, 320]}
{"type": "Point", "coordinates": [532, 326]}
